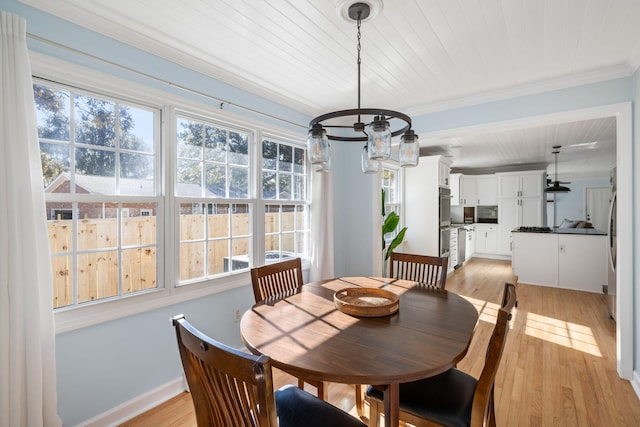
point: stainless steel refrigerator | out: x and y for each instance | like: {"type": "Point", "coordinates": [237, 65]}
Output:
{"type": "Point", "coordinates": [611, 249]}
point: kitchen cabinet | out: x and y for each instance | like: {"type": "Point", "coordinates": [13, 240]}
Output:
{"type": "Point", "coordinates": [521, 184]}
{"type": "Point", "coordinates": [486, 239]}
{"type": "Point", "coordinates": [468, 190]}
{"type": "Point", "coordinates": [487, 188]}
{"type": "Point", "coordinates": [421, 210]}
{"type": "Point", "coordinates": [521, 204]}
{"type": "Point", "coordinates": [517, 212]}
{"type": "Point", "coordinates": [570, 261]}
{"type": "Point", "coordinates": [454, 186]}
{"type": "Point", "coordinates": [444, 172]}
{"type": "Point", "coordinates": [582, 262]}
{"type": "Point", "coordinates": [478, 190]}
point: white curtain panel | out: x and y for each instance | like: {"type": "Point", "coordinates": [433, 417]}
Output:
{"type": "Point", "coordinates": [27, 338]}
{"type": "Point", "coordinates": [322, 262]}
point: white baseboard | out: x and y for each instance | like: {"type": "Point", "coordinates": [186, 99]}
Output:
{"type": "Point", "coordinates": [137, 405]}
{"type": "Point", "coordinates": [491, 256]}
{"type": "Point", "coordinates": [635, 383]}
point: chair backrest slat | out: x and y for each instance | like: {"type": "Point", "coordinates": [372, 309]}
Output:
{"type": "Point", "coordinates": [228, 387]}
{"type": "Point", "coordinates": [276, 280]}
{"type": "Point", "coordinates": [428, 270]}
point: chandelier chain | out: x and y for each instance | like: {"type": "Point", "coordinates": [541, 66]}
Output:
{"type": "Point", "coordinates": [359, 62]}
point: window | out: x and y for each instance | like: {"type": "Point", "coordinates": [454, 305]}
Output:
{"type": "Point", "coordinates": [390, 187]}
{"type": "Point", "coordinates": [212, 164]}
{"type": "Point", "coordinates": [99, 158]}
{"type": "Point", "coordinates": [115, 231]}
{"type": "Point", "coordinates": [284, 191]}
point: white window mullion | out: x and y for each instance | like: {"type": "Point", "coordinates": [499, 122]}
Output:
{"type": "Point", "coordinates": [165, 173]}
{"type": "Point", "coordinates": [259, 210]}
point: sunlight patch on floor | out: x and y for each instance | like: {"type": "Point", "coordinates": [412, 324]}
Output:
{"type": "Point", "coordinates": [567, 334]}
{"type": "Point", "coordinates": [487, 311]}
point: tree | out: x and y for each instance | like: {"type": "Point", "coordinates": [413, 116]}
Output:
{"type": "Point", "coordinates": [222, 150]}
{"type": "Point", "coordinates": [51, 168]}
{"type": "Point", "coordinates": [95, 125]}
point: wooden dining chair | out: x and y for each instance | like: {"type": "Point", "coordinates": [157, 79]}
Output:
{"type": "Point", "coordinates": [277, 280]}
{"type": "Point", "coordinates": [425, 269]}
{"type": "Point", "coordinates": [453, 398]}
{"type": "Point", "coordinates": [233, 388]}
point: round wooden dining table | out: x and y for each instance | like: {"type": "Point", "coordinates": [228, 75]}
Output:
{"type": "Point", "coordinates": [307, 336]}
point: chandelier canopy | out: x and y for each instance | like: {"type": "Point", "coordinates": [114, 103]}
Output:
{"type": "Point", "coordinates": [375, 126]}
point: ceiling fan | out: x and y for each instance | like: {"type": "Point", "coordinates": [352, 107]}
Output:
{"type": "Point", "coordinates": [554, 186]}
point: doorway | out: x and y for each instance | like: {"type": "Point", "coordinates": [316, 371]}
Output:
{"type": "Point", "coordinates": [624, 164]}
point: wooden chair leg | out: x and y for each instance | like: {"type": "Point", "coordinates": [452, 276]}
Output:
{"type": "Point", "coordinates": [322, 390]}
{"type": "Point", "coordinates": [359, 401]}
{"type": "Point", "coordinates": [300, 384]}
{"type": "Point", "coordinates": [374, 413]}
{"type": "Point", "coordinates": [491, 415]}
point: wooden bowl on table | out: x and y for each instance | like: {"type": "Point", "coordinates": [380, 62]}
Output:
{"type": "Point", "coordinates": [366, 302]}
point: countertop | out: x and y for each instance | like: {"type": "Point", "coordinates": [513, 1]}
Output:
{"type": "Point", "coordinates": [578, 231]}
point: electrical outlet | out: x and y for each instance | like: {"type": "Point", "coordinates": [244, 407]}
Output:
{"type": "Point", "coordinates": [237, 314]}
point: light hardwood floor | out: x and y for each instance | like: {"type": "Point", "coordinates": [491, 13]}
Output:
{"type": "Point", "coordinates": [558, 369]}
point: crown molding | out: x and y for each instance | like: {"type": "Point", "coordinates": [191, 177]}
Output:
{"type": "Point", "coordinates": [564, 82]}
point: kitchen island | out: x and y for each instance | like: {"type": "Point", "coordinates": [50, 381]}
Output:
{"type": "Point", "coordinates": [570, 258]}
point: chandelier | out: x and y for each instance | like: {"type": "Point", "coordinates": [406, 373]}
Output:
{"type": "Point", "coordinates": [375, 126]}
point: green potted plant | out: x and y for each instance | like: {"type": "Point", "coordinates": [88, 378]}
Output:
{"type": "Point", "coordinates": [390, 222]}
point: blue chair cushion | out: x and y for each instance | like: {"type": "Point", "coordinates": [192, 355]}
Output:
{"type": "Point", "coordinates": [297, 408]}
{"type": "Point", "coordinates": [446, 398]}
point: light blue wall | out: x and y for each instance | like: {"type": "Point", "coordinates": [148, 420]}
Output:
{"type": "Point", "coordinates": [571, 205]}
{"type": "Point", "coordinates": [353, 204]}
{"type": "Point", "coordinates": [102, 366]}
{"type": "Point", "coordinates": [573, 98]}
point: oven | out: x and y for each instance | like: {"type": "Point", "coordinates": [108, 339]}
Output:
{"type": "Point", "coordinates": [444, 204]}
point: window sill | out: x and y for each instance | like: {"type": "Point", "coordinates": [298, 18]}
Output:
{"type": "Point", "coordinates": [92, 314]}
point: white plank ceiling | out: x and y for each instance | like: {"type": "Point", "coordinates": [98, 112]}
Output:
{"type": "Point", "coordinates": [418, 56]}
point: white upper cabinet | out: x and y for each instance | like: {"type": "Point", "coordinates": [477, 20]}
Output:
{"type": "Point", "coordinates": [454, 185]}
{"type": "Point", "coordinates": [468, 190]}
{"type": "Point", "coordinates": [521, 184]}
{"type": "Point", "coordinates": [478, 190]}
{"type": "Point", "coordinates": [444, 171]}
{"type": "Point", "coordinates": [487, 190]}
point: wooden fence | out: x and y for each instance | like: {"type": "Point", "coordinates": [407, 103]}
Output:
{"type": "Point", "coordinates": [97, 269]}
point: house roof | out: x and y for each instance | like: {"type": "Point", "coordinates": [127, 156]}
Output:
{"type": "Point", "coordinates": [106, 185]}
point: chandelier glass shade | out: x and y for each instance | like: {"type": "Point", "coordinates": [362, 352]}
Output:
{"type": "Point", "coordinates": [375, 126]}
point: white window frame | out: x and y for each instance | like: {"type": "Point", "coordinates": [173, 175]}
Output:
{"type": "Point", "coordinates": [398, 203]}
{"type": "Point", "coordinates": [260, 255]}
{"type": "Point", "coordinates": [54, 71]}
